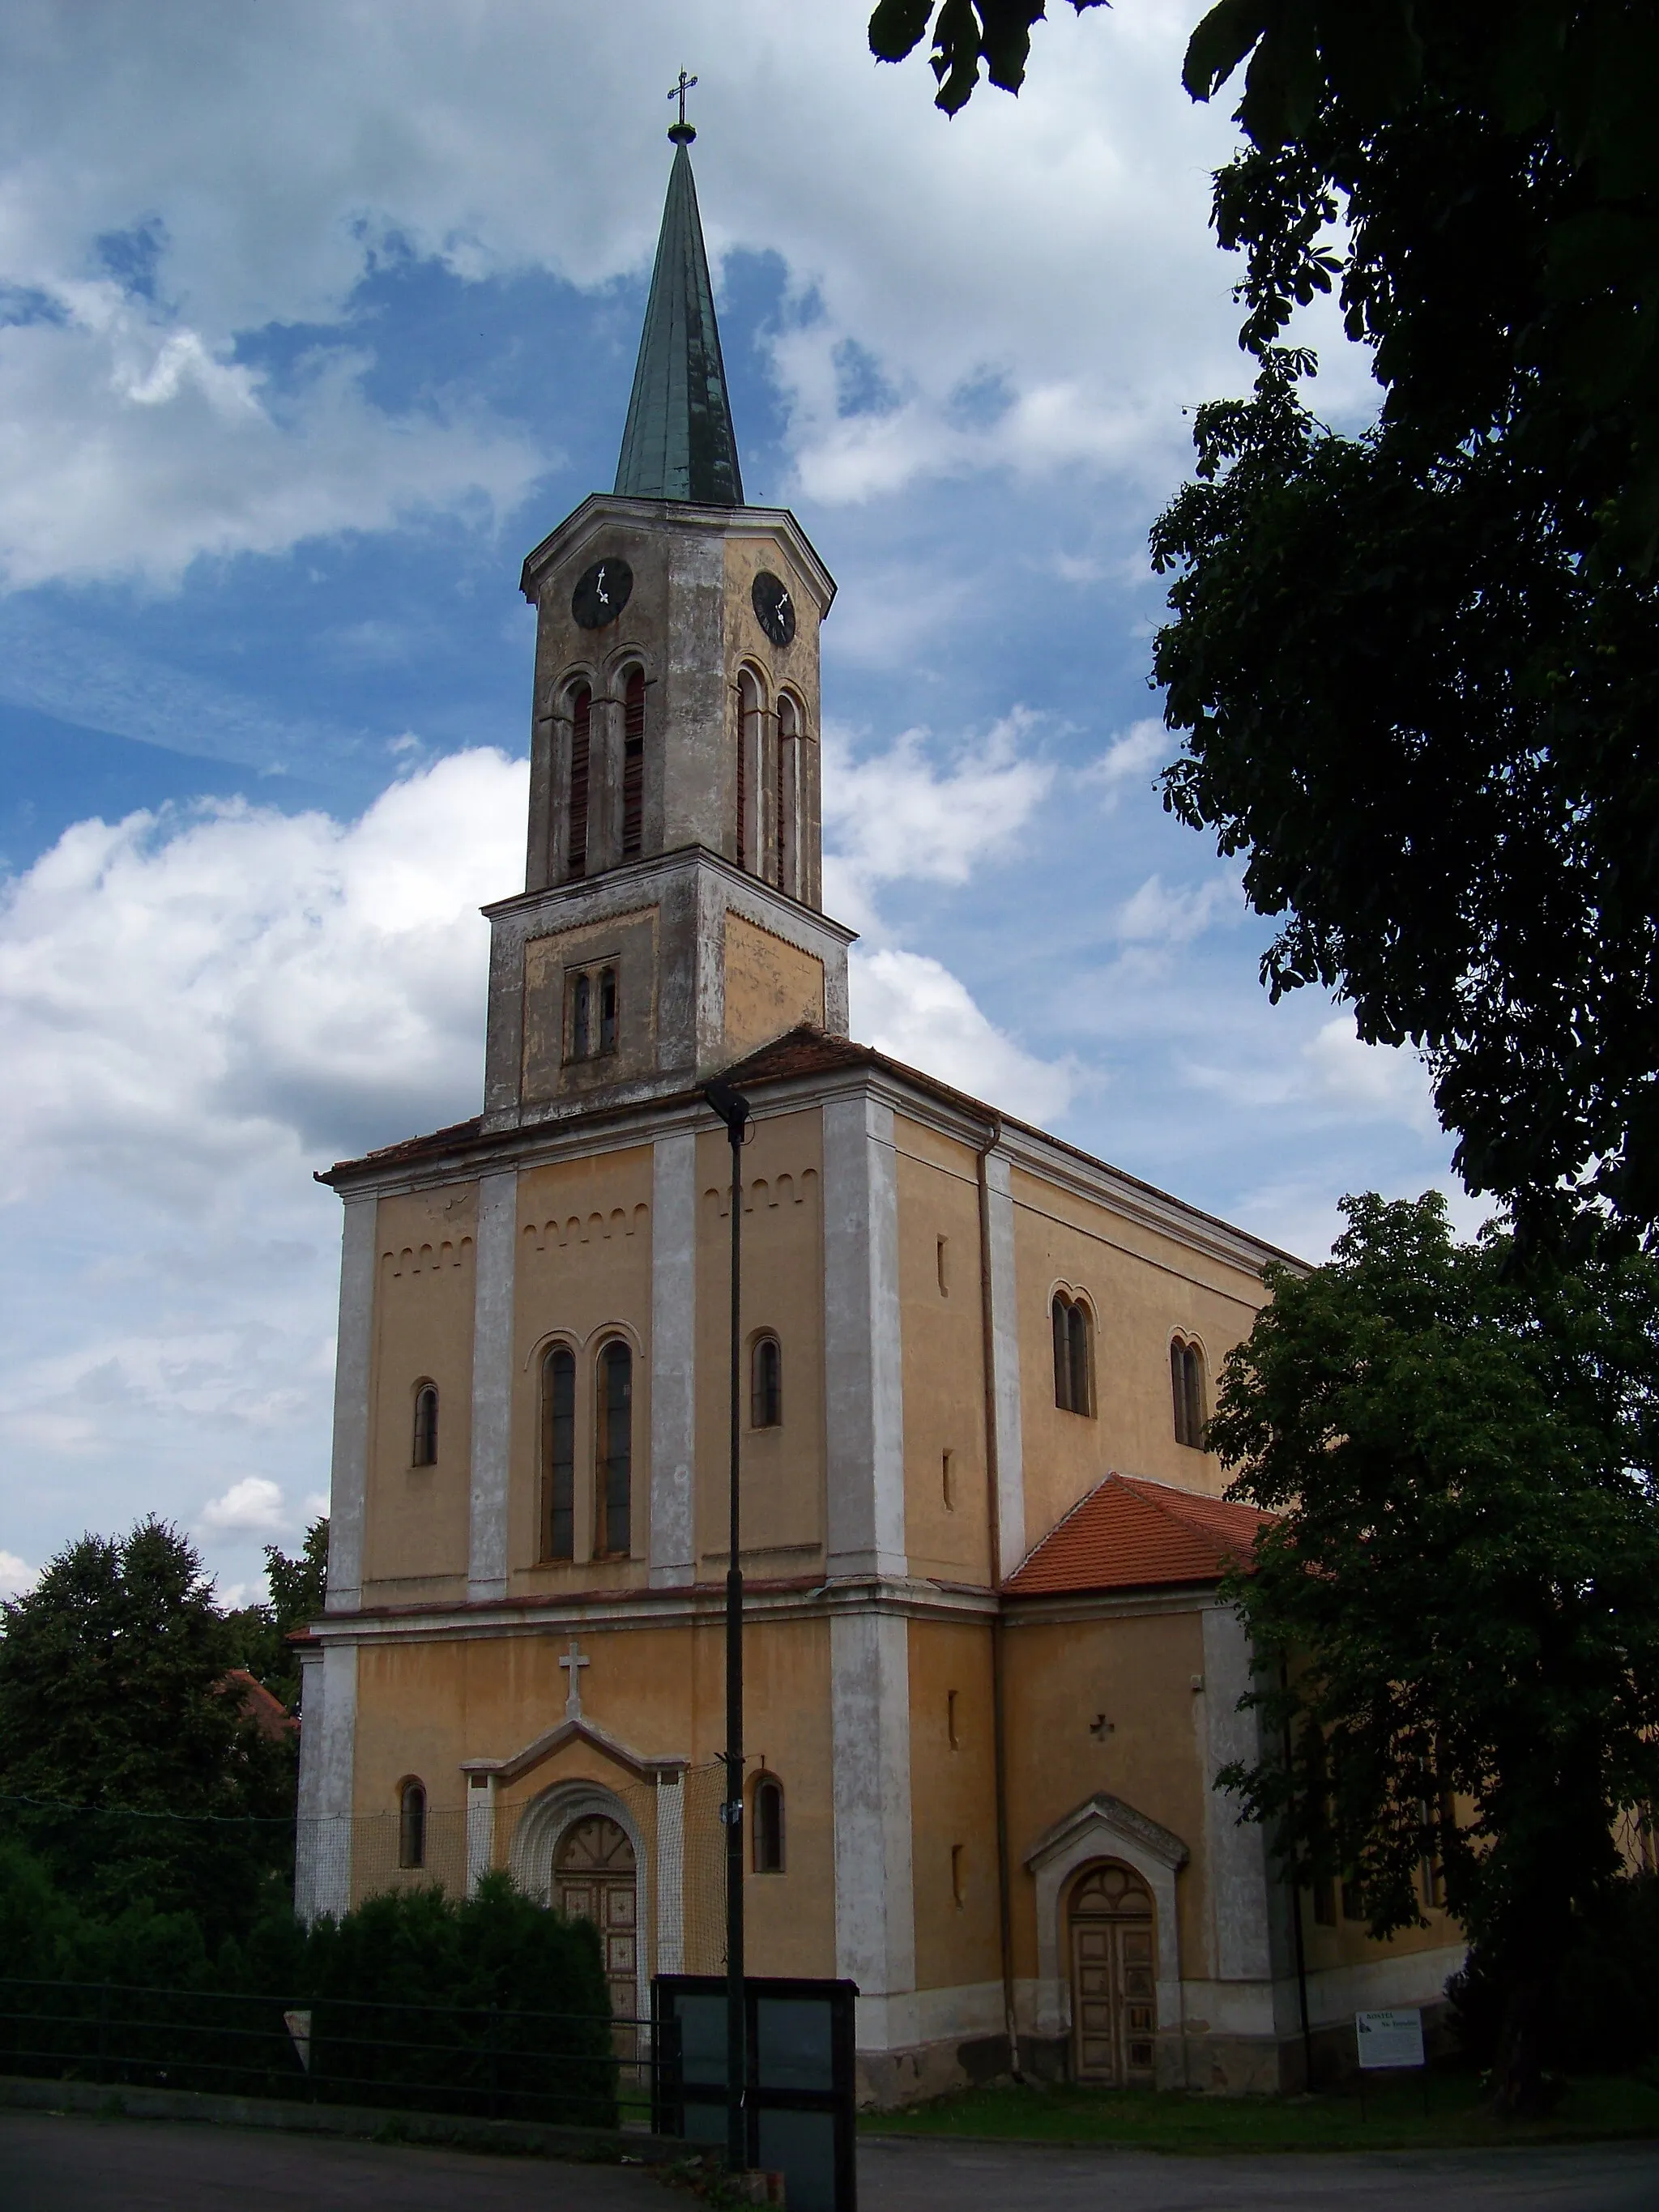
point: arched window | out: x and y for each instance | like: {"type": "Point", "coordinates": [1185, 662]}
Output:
{"type": "Point", "coordinates": [633, 786]}
{"type": "Point", "coordinates": [766, 1811]}
{"type": "Point", "coordinates": [749, 752]}
{"type": "Point", "coordinates": [1073, 1355]}
{"type": "Point", "coordinates": [789, 871]}
{"type": "Point", "coordinates": [1186, 1386]}
{"type": "Point", "coordinates": [766, 1384]}
{"type": "Point", "coordinates": [607, 1009]}
{"type": "Point", "coordinates": [411, 1824]}
{"type": "Point", "coordinates": [425, 1453]}
{"type": "Point", "coordinates": [559, 1454]}
{"type": "Point", "coordinates": [615, 1452]}
{"type": "Point", "coordinates": [582, 734]}
{"type": "Point", "coordinates": [582, 1018]}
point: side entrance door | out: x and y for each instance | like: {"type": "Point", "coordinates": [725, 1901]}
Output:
{"type": "Point", "coordinates": [1114, 1992]}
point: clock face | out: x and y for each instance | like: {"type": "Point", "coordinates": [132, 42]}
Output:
{"type": "Point", "coordinates": [775, 610]}
{"type": "Point", "coordinates": [602, 592]}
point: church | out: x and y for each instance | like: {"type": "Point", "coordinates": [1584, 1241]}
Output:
{"type": "Point", "coordinates": [988, 1682]}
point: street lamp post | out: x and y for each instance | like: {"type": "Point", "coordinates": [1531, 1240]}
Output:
{"type": "Point", "coordinates": [733, 1109]}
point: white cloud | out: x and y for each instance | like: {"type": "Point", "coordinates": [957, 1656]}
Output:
{"type": "Point", "coordinates": [1161, 917]}
{"type": "Point", "coordinates": [912, 1008]}
{"type": "Point", "coordinates": [252, 1507]}
{"type": "Point", "coordinates": [1130, 760]}
{"type": "Point", "coordinates": [1332, 1075]}
{"type": "Point", "coordinates": [16, 1576]}
{"type": "Point", "coordinates": [178, 992]}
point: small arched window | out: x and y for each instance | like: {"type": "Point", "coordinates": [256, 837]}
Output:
{"type": "Point", "coordinates": [766, 1384]}
{"type": "Point", "coordinates": [749, 751]}
{"type": "Point", "coordinates": [1073, 1331]}
{"type": "Point", "coordinates": [1187, 1387]}
{"type": "Point", "coordinates": [767, 1824]}
{"type": "Point", "coordinates": [425, 1453]}
{"type": "Point", "coordinates": [581, 735]}
{"type": "Point", "coordinates": [411, 1824]}
{"type": "Point", "coordinates": [787, 877]}
{"type": "Point", "coordinates": [616, 1452]}
{"type": "Point", "coordinates": [633, 789]}
{"type": "Point", "coordinates": [607, 1009]}
{"type": "Point", "coordinates": [559, 1454]}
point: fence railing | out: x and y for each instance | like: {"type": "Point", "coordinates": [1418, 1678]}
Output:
{"type": "Point", "coordinates": [563, 2069]}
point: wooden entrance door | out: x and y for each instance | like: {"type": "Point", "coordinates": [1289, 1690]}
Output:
{"type": "Point", "coordinates": [1113, 1990]}
{"type": "Point", "coordinates": [595, 1879]}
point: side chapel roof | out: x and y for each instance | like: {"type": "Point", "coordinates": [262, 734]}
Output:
{"type": "Point", "coordinates": [1131, 1533]}
{"type": "Point", "coordinates": [679, 443]}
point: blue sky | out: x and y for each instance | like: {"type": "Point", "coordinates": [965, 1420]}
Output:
{"type": "Point", "coordinates": [313, 318]}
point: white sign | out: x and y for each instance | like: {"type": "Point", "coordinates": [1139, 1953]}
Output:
{"type": "Point", "coordinates": [1390, 2038]}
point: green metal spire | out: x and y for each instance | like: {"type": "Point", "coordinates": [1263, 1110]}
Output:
{"type": "Point", "coordinates": [679, 443]}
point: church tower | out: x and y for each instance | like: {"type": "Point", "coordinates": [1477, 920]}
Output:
{"type": "Point", "coordinates": [672, 913]}
{"type": "Point", "coordinates": [989, 1682]}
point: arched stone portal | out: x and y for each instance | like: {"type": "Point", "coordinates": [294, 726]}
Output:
{"type": "Point", "coordinates": [596, 1877]}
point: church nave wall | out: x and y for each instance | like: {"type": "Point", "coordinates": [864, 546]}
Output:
{"type": "Point", "coordinates": [415, 1525]}
{"type": "Point", "coordinates": [953, 1793]}
{"type": "Point", "coordinates": [941, 1324]}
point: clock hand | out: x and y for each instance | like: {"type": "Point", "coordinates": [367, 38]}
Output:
{"type": "Point", "coordinates": [599, 585]}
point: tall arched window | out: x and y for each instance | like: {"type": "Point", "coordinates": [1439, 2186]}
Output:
{"type": "Point", "coordinates": [425, 1453]}
{"type": "Point", "coordinates": [788, 873]}
{"type": "Point", "coordinates": [615, 1452]}
{"type": "Point", "coordinates": [766, 1384]}
{"type": "Point", "coordinates": [411, 1824]}
{"type": "Point", "coordinates": [633, 781]}
{"type": "Point", "coordinates": [766, 1821]}
{"type": "Point", "coordinates": [1073, 1355]}
{"type": "Point", "coordinates": [749, 754]}
{"type": "Point", "coordinates": [1186, 1386]}
{"type": "Point", "coordinates": [559, 1454]}
{"type": "Point", "coordinates": [581, 735]}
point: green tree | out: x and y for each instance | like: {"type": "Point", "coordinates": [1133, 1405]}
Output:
{"type": "Point", "coordinates": [297, 1589]}
{"type": "Point", "coordinates": [1419, 668]}
{"type": "Point", "coordinates": [123, 1762]}
{"type": "Point", "coordinates": [1462, 1584]}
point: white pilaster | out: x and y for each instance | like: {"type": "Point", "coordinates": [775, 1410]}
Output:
{"type": "Point", "coordinates": [673, 1360]}
{"type": "Point", "coordinates": [307, 1796]}
{"type": "Point", "coordinates": [480, 1829]}
{"type": "Point", "coordinates": [492, 1387]}
{"type": "Point", "coordinates": [870, 1751]}
{"type": "Point", "coordinates": [1005, 1364]}
{"type": "Point", "coordinates": [863, 1367]}
{"type": "Point", "coordinates": [353, 1364]}
{"type": "Point", "coordinates": [1241, 1944]}
{"type": "Point", "coordinates": [670, 1874]}
{"type": "Point", "coordinates": [335, 1742]}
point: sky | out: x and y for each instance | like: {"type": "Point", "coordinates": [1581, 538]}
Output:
{"type": "Point", "coordinates": [315, 315]}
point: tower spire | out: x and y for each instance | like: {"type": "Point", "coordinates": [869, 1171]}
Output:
{"type": "Point", "coordinates": [679, 443]}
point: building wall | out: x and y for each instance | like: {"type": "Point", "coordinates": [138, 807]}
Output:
{"type": "Point", "coordinates": [582, 1276]}
{"type": "Point", "coordinates": [953, 1793]}
{"type": "Point", "coordinates": [947, 1532]}
{"type": "Point", "coordinates": [415, 1534]}
{"type": "Point", "coordinates": [782, 1496]}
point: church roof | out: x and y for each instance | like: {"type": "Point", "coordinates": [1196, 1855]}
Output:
{"type": "Point", "coordinates": [679, 443]}
{"type": "Point", "coordinates": [1130, 1533]}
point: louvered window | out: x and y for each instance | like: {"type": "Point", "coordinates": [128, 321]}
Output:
{"type": "Point", "coordinates": [633, 823]}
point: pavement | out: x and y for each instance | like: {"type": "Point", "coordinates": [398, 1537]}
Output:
{"type": "Point", "coordinates": [60, 2163]}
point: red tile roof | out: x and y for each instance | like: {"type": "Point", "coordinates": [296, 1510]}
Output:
{"type": "Point", "coordinates": [1130, 1533]}
{"type": "Point", "coordinates": [268, 1714]}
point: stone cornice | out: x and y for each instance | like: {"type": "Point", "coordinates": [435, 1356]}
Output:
{"type": "Point", "coordinates": [601, 507]}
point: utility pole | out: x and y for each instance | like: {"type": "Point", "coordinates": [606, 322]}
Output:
{"type": "Point", "coordinates": [733, 1109]}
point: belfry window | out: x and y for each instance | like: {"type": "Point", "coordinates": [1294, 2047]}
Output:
{"type": "Point", "coordinates": [581, 735]}
{"type": "Point", "coordinates": [767, 1823]}
{"type": "Point", "coordinates": [1073, 1355]}
{"type": "Point", "coordinates": [633, 782]}
{"type": "Point", "coordinates": [425, 1452]}
{"type": "Point", "coordinates": [411, 1824]}
{"type": "Point", "coordinates": [749, 760]}
{"type": "Point", "coordinates": [559, 1454]}
{"type": "Point", "coordinates": [615, 1452]}
{"type": "Point", "coordinates": [766, 1384]}
{"type": "Point", "coordinates": [1187, 1387]}
{"type": "Point", "coordinates": [590, 996]}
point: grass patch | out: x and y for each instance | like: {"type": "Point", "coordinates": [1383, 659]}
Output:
{"type": "Point", "coordinates": [1596, 2108]}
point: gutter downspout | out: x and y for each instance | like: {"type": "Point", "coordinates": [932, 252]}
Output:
{"type": "Point", "coordinates": [993, 1492]}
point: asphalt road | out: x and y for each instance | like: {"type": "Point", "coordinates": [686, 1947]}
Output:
{"type": "Point", "coordinates": [53, 2164]}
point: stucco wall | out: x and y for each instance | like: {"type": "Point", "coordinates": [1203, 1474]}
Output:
{"type": "Point", "coordinates": [770, 987]}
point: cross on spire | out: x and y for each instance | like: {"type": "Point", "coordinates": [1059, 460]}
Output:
{"type": "Point", "coordinates": [682, 132]}
{"type": "Point", "coordinates": [575, 1661]}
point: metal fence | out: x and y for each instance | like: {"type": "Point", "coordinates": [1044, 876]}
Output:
{"type": "Point", "coordinates": [572, 2070]}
